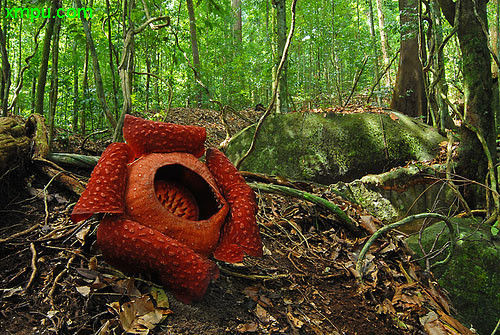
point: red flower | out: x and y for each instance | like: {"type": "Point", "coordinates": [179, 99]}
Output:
{"type": "Point", "coordinates": [168, 212]}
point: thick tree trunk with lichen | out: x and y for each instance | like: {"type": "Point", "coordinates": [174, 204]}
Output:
{"type": "Point", "coordinates": [14, 155]}
{"type": "Point", "coordinates": [409, 93]}
{"type": "Point", "coordinates": [472, 162]}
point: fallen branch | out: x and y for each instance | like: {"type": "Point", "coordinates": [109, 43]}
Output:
{"type": "Point", "coordinates": [378, 233]}
{"type": "Point", "coordinates": [343, 217]}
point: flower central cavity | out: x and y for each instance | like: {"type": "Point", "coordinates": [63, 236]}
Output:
{"type": "Point", "coordinates": [177, 199]}
{"type": "Point", "coordinates": [185, 193]}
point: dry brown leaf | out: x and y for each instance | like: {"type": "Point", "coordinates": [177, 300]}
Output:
{"type": "Point", "coordinates": [247, 327]}
{"type": "Point", "coordinates": [368, 222]}
{"type": "Point", "coordinates": [452, 322]}
{"type": "Point", "coordinates": [263, 315]}
{"type": "Point", "coordinates": [295, 321]}
{"type": "Point", "coordinates": [435, 328]}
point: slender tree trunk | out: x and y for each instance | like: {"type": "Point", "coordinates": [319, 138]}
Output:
{"type": "Point", "coordinates": [6, 71]}
{"type": "Point", "coordinates": [237, 32]}
{"type": "Point", "coordinates": [157, 84]}
{"type": "Point", "coordinates": [44, 64]}
{"type": "Point", "coordinates": [337, 78]}
{"type": "Point", "coordinates": [409, 92]}
{"type": "Point", "coordinates": [375, 51]}
{"type": "Point", "coordinates": [85, 87]}
{"type": "Point", "coordinates": [111, 63]}
{"type": "Point", "coordinates": [383, 41]}
{"type": "Point", "coordinates": [6, 80]}
{"type": "Point", "coordinates": [148, 80]}
{"type": "Point", "coordinates": [74, 123]}
{"type": "Point", "coordinates": [126, 67]}
{"type": "Point", "coordinates": [194, 49]}
{"type": "Point", "coordinates": [54, 80]}
{"type": "Point", "coordinates": [19, 61]}
{"type": "Point", "coordinates": [97, 70]}
{"type": "Point", "coordinates": [33, 93]}
{"type": "Point", "coordinates": [441, 88]}
{"type": "Point", "coordinates": [282, 96]}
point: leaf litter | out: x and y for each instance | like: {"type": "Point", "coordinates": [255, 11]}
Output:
{"type": "Point", "coordinates": [306, 283]}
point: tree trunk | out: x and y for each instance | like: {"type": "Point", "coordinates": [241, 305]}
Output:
{"type": "Point", "coordinates": [44, 64]}
{"type": "Point", "coordinates": [85, 87]}
{"type": "Point", "coordinates": [472, 162]}
{"type": "Point", "coordinates": [383, 42]}
{"type": "Point", "coordinates": [282, 96]}
{"type": "Point", "coordinates": [439, 74]}
{"type": "Point", "coordinates": [194, 49]}
{"type": "Point", "coordinates": [74, 122]}
{"type": "Point", "coordinates": [376, 64]}
{"type": "Point", "coordinates": [97, 70]}
{"type": "Point", "coordinates": [111, 63]}
{"type": "Point", "coordinates": [409, 92]}
{"type": "Point", "coordinates": [19, 63]}
{"type": "Point", "coordinates": [126, 67]}
{"type": "Point", "coordinates": [237, 31]}
{"type": "Point", "coordinates": [54, 80]}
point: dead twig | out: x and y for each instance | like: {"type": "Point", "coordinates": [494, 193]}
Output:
{"type": "Point", "coordinates": [21, 233]}
{"type": "Point", "coordinates": [57, 279]}
{"type": "Point", "coordinates": [33, 266]}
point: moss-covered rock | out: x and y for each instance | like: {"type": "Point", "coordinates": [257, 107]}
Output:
{"type": "Point", "coordinates": [472, 277]}
{"type": "Point", "coordinates": [310, 146]}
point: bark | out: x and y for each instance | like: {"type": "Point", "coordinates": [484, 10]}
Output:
{"type": "Point", "coordinates": [337, 78]}
{"type": "Point", "coordinates": [97, 70]}
{"type": "Point", "coordinates": [194, 49]}
{"type": "Point", "coordinates": [44, 63]}
{"type": "Point", "coordinates": [409, 92]}
{"type": "Point", "coordinates": [383, 41]}
{"type": "Point", "coordinates": [282, 96]}
{"type": "Point", "coordinates": [375, 51]}
{"type": "Point", "coordinates": [237, 26]}
{"type": "Point", "coordinates": [111, 63]}
{"type": "Point", "coordinates": [6, 72]}
{"type": "Point", "coordinates": [472, 162]}
{"type": "Point", "coordinates": [85, 87]}
{"type": "Point", "coordinates": [54, 80]}
{"type": "Point", "coordinates": [126, 67]}
{"type": "Point", "coordinates": [74, 122]}
{"type": "Point", "coordinates": [440, 88]}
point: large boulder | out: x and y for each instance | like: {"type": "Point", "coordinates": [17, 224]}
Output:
{"type": "Point", "coordinates": [328, 148]}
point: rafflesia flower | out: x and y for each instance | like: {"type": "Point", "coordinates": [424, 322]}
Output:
{"type": "Point", "coordinates": [166, 211]}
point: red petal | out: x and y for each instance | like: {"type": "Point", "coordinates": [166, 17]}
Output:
{"type": "Point", "coordinates": [106, 187]}
{"type": "Point", "coordinates": [132, 247]}
{"type": "Point", "coordinates": [241, 233]}
{"type": "Point", "coordinates": [143, 206]}
{"type": "Point", "coordinates": [145, 136]}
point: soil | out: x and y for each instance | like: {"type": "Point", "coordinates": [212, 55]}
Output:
{"type": "Point", "coordinates": [54, 281]}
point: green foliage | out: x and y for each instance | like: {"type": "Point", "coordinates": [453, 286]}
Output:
{"type": "Point", "coordinates": [330, 43]}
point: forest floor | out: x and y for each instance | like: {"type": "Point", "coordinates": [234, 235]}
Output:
{"type": "Point", "coordinates": [54, 281]}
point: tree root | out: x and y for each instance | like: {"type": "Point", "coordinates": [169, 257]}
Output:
{"type": "Point", "coordinates": [344, 219]}
{"type": "Point", "coordinates": [378, 233]}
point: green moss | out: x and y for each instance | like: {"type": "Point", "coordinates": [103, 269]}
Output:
{"type": "Point", "coordinates": [472, 277]}
{"type": "Point", "coordinates": [309, 146]}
